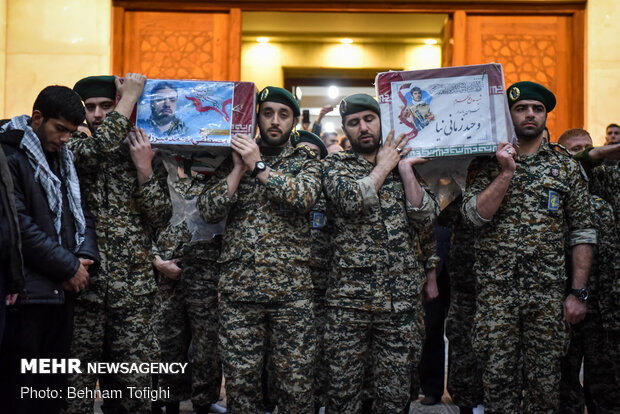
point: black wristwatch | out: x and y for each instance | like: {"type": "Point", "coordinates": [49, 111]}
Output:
{"type": "Point", "coordinates": [259, 167]}
{"type": "Point", "coordinates": [581, 294]}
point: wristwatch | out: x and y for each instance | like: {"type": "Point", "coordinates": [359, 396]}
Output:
{"type": "Point", "coordinates": [581, 294]}
{"type": "Point", "coordinates": [259, 167]}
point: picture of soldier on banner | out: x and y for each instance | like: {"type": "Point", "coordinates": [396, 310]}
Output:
{"type": "Point", "coordinates": [416, 112]}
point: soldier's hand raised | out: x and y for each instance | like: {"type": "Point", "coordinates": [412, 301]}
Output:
{"type": "Point", "coordinates": [131, 86]}
{"type": "Point", "coordinates": [506, 156]}
{"type": "Point", "coordinates": [391, 152]}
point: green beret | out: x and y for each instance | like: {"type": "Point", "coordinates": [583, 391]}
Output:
{"type": "Point", "coordinates": [359, 102]}
{"type": "Point", "coordinates": [96, 87]}
{"type": "Point", "coordinates": [297, 137]}
{"type": "Point", "coordinates": [531, 91]}
{"type": "Point", "coordinates": [279, 95]}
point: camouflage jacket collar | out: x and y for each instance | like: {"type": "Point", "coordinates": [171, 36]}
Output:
{"type": "Point", "coordinates": [544, 150]}
{"type": "Point", "coordinates": [350, 155]}
{"type": "Point", "coordinates": [288, 152]}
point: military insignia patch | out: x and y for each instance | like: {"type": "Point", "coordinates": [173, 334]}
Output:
{"type": "Point", "coordinates": [343, 107]}
{"type": "Point", "coordinates": [264, 94]}
{"type": "Point", "coordinates": [514, 93]}
{"type": "Point", "coordinates": [553, 202]}
{"type": "Point", "coordinates": [295, 138]}
{"type": "Point", "coordinates": [318, 220]}
{"type": "Point", "coordinates": [555, 172]}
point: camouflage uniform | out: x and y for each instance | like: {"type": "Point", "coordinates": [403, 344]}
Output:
{"type": "Point", "coordinates": [605, 182]}
{"type": "Point", "coordinates": [320, 257]}
{"type": "Point", "coordinates": [265, 281]}
{"type": "Point", "coordinates": [588, 340]}
{"type": "Point", "coordinates": [113, 314]}
{"type": "Point", "coordinates": [373, 293]}
{"type": "Point", "coordinates": [187, 311]}
{"type": "Point", "coordinates": [521, 278]}
{"type": "Point", "coordinates": [464, 371]}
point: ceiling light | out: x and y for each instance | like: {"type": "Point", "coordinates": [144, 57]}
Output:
{"type": "Point", "coordinates": [298, 93]}
{"type": "Point", "coordinates": [262, 39]}
{"type": "Point", "coordinates": [346, 41]}
{"type": "Point", "coordinates": [332, 92]}
{"type": "Point", "coordinates": [430, 42]}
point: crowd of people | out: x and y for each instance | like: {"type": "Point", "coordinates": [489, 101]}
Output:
{"type": "Point", "coordinates": [312, 296]}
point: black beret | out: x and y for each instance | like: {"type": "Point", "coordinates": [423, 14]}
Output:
{"type": "Point", "coordinates": [279, 95]}
{"type": "Point", "coordinates": [96, 87]}
{"type": "Point", "coordinates": [300, 136]}
{"type": "Point", "coordinates": [359, 102]}
{"type": "Point", "coordinates": [530, 90]}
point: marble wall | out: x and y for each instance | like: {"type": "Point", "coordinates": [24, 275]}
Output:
{"type": "Point", "coordinates": [50, 42]}
{"type": "Point", "coordinates": [602, 66]}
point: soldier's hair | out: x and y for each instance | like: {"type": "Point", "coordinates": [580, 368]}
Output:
{"type": "Point", "coordinates": [163, 85]}
{"type": "Point", "coordinates": [415, 88]}
{"type": "Point", "coordinates": [572, 133]}
{"type": "Point", "coordinates": [59, 101]}
{"type": "Point", "coordinates": [611, 126]}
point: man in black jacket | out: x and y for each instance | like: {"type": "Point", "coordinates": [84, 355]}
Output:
{"type": "Point", "coordinates": [11, 266]}
{"type": "Point", "coordinates": [58, 245]}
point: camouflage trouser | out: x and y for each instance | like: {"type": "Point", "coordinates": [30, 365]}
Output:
{"type": "Point", "coordinates": [588, 342]}
{"type": "Point", "coordinates": [464, 370]}
{"type": "Point", "coordinates": [290, 328]}
{"type": "Point", "coordinates": [320, 365]}
{"type": "Point", "coordinates": [114, 334]}
{"type": "Point", "coordinates": [392, 342]}
{"type": "Point", "coordinates": [520, 336]}
{"type": "Point", "coordinates": [187, 314]}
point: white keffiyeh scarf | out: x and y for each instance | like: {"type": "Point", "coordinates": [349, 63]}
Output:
{"type": "Point", "coordinates": [51, 184]}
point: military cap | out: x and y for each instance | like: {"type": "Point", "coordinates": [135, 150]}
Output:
{"type": "Point", "coordinates": [298, 137]}
{"type": "Point", "coordinates": [279, 95]}
{"type": "Point", "coordinates": [533, 91]}
{"type": "Point", "coordinates": [96, 87]}
{"type": "Point", "coordinates": [359, 102]}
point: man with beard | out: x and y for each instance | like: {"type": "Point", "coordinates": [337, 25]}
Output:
{"type": "Point", "coordinates": [266, 191]}
{"type": "Point", "coordinates": [374, 290]}
{"type": "Point", "coordinates": [521, 203]}
{"type": "Point", "coordinates": [163, 121]}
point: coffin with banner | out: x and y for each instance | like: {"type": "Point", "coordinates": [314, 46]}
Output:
{"type": "Point", "coordinates": [448, 111]}
{"type": "Point", "coordinates": [196, 116]}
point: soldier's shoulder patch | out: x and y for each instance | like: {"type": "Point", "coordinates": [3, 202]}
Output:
{"type": "Point", "coordinates": [307, 151]}
{"type": "Point", "coordinates": [553, 201]}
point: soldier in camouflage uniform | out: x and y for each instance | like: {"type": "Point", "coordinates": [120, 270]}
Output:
{"type": "Point", "coordinates": [605, 182]}
{"type": "Point", "coordinates": [266, 191]}
{"type": "Point", "coordinates": [320, 256]}
{"type": "Point", "coordinates": [186, 261]}
{"type": "Point", "coordinates": [374, 288]}
{"type": "Point", "coordinates": [129, 198]}
{"type": "Point", "coordinates": [588, 340]}
{"type": "Point", "coordinates": [520, 203]}
{"type": "Point", "coordinates": [464, 370]}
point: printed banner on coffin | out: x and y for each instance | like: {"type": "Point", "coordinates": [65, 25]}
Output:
{"type": "Point", "coordinates": [446, 112]}
{"type": "Point", "coordinates": [194, 116]}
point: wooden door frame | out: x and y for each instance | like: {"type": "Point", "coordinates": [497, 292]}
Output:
{"type": "Point", "coordinates": [458, 9]}
{"type": "Point", "coordinates": [118, 30]}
